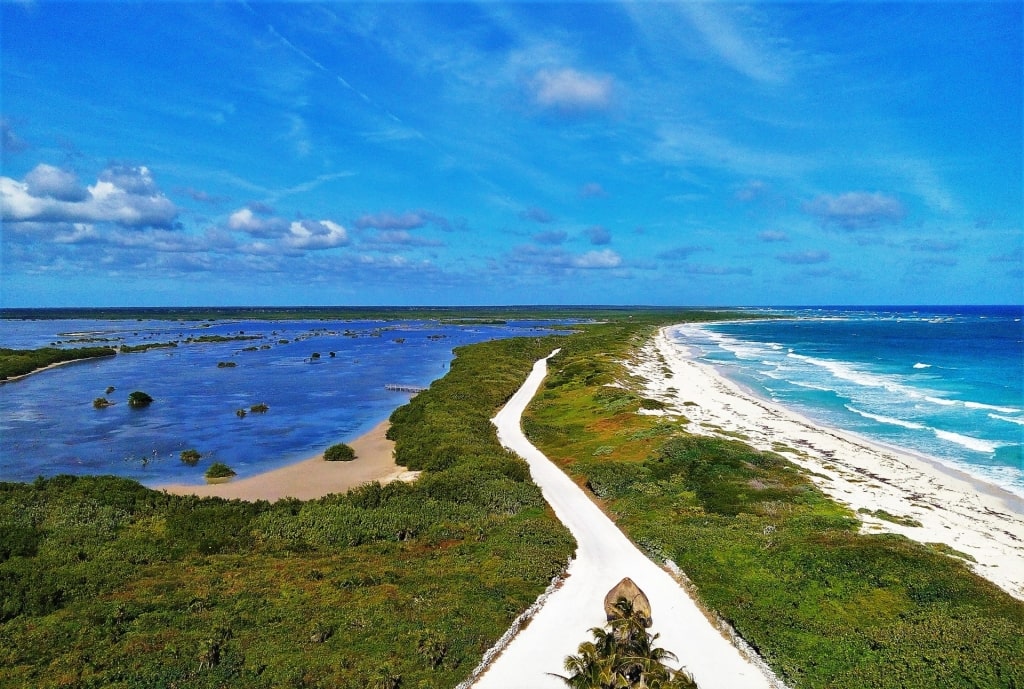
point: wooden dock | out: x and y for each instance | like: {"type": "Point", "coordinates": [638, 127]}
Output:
{"type": "Point", "coordinates": [394, 387]}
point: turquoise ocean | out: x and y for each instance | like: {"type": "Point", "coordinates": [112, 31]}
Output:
{"type": "Point", "coordinates": [946, 382]}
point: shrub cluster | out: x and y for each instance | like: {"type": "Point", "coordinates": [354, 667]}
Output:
{"type": "Point", "coordinates": [18, 362]}
{"type": "Point", "coordinates": [339, 453]}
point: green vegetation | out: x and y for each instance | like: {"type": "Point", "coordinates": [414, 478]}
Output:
{"type": "Point", "coordinates": [101, 403]}
{"type": "Point", "coordinates": [893, 518]}
{"type": "Point", "coordinates": [219, 470]}
{"type": "Point", "coordinates": [20, 362]}
{"type": "Point", "coordinates": [260, 408]}
{"type": "Point", "coordinates": [226, 364]}
{"type": "Point", "coordinates": [104, 583]}
{"type": "Point", "coordinates": [139, 399]}
{"type": "Point", "coordinates": [223, 338]}
{"type": "Point", "coordinates": [786, 566]}
{"type": "Point", "coordinates": [339, 453]}
{"type": "Point", "coordinates": [146, 346]}
{"type": "Point", "coordinates": [622, 656]}
{"type": "Point", "coordinates": [191, 457]}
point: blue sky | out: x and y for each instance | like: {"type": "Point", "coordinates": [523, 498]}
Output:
{"type": "Point", "coordinates": [243, 153]}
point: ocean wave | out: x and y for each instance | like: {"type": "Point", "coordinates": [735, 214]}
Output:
{"type": "Point", "coordinates": [1019, 420]}
{"type": "Point", "coordinates": [941, 401]}
{"type": "Point", "coordinates": [846, 372]}
{"type": "Point", "coordinates": [992, 407]}
{"type": "Point", "coordinates": [976, 444]}
{"type": "Point", "coordinates": [920, 365]}
{"type": "Point", "coordinates": [886, 419]}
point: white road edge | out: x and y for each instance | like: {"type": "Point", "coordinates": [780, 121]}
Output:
{"type": "Point", "coordinates": [604, 556]}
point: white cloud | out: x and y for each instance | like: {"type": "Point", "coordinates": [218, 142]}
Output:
{"type": "Point", "coordinates": [47, 181]}
{"type": "Point", "coordinates": [315, 234]}
{"type": "Point", "coordinates": [739, 43]}
{"type": "Point", "coordinates": [392, 221]}
{"type": "Point", "coordinates": [606, 258]}
{"type": "Point", "coordinates": [773, 236]}
{"type": "Point", "coordinates": [571, 91]}
{"type": "Point", "coordinates": [855, 210]}
{"type": "Point", "coordinates": [123, 195]}
{"type": "Point", "coordinates": [245, 220]}
{"type": "Point", "coordinates": [598, 235]}
{"type": "Point", "coordinates": [803, 258]}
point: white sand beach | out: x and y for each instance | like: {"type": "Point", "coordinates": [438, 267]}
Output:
{"type": "Point", "coordinates": [604, 556]}
{"type": "Point", "coordinates": [313, 478]}
{"type": "Point", "coordinates": [953, 508]}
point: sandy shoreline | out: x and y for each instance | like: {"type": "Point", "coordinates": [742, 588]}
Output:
{"type": "Point", "coordinates": [953, 508]}
{"type": "Point", "coordinates": [312, 478]}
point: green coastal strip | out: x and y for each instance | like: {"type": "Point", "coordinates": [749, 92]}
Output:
{"type": "Point", "coordinates": [21, 362]}
{"type": "Point", "coordinates": [825, 605]}
{"type": "Point", "coordinates": [104, 583]}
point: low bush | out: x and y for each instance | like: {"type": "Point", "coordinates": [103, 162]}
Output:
{"type": "Point", "coordinates": [139, 399]}
{"type": "Point", "coordinates": [339, 453]}
{"type": "Point", "coordinates": [219, 470]}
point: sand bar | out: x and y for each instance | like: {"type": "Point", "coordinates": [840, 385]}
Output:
{"type": "Point", "coordinates": [312, 478]}
{"type": "Point", "coordinates": [603, 557]}
{"type": "Point", "coordinates": [960, 511]}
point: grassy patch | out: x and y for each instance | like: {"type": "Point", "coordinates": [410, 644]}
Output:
{"type": "Point", "coordinates": [892, 518]}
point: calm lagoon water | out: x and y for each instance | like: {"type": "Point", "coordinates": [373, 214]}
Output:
{"type": "Point", "coordinates": [947, 382]}
{"type": "Point", "coordinates": [48, 425]}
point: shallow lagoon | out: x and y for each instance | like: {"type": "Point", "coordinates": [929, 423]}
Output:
{"type": "Point", "coordinates": [48, 424]}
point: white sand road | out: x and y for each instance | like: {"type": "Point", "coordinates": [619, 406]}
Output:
{"type": "Point", "coordinates": [604, 556]}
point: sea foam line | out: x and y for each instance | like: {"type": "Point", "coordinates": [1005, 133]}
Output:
{"type": "Point", "coordinates": [887, 419]}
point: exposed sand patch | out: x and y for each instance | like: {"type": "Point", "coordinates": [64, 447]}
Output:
{"type": "Point", "coordinates": [313, 478]}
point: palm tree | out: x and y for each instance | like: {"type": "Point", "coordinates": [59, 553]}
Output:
{"type": "Point", "coordinates": [623, 656]}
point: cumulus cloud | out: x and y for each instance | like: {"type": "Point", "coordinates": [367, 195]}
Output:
{"type": "Point", "coordinates": [550, 237]}
{"type": "Point", "coordinates": [855, 210]}
{"type": "Point", "coordinates": [598, 235]}
{"type": "Point", "coordinates": [47, 181]}
{"type": "Point", "coordinates": [568, 90]}
{"type": "Point", "coordinates": [536, 215]}
{"type": "Point", "coordinates": [392, 221]}
{"type": "Point", "coordinates": [256, 224]}
{"type": "Point", "coordinates": [126, 196]}
{"type": "Point", "coordinates": [606, 258]}
{"type": "Point", "coordinates": [773, 236]}
{"type": "Point", "coordinates": [804, 258]}
{"type": "Point", "coordinates": [547, 258]}
{"type": "Point", "coordinates": [680, 253]}
{"type": "Point", "coordinates": [315, 234]}
{"type": "Point", "coordinates": [390, 238]}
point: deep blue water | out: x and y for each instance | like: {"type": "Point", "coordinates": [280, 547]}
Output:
{"type": "Point", "coordinates": [48, 425]}
{"type": "Point", "coordinates": [947, 382]}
